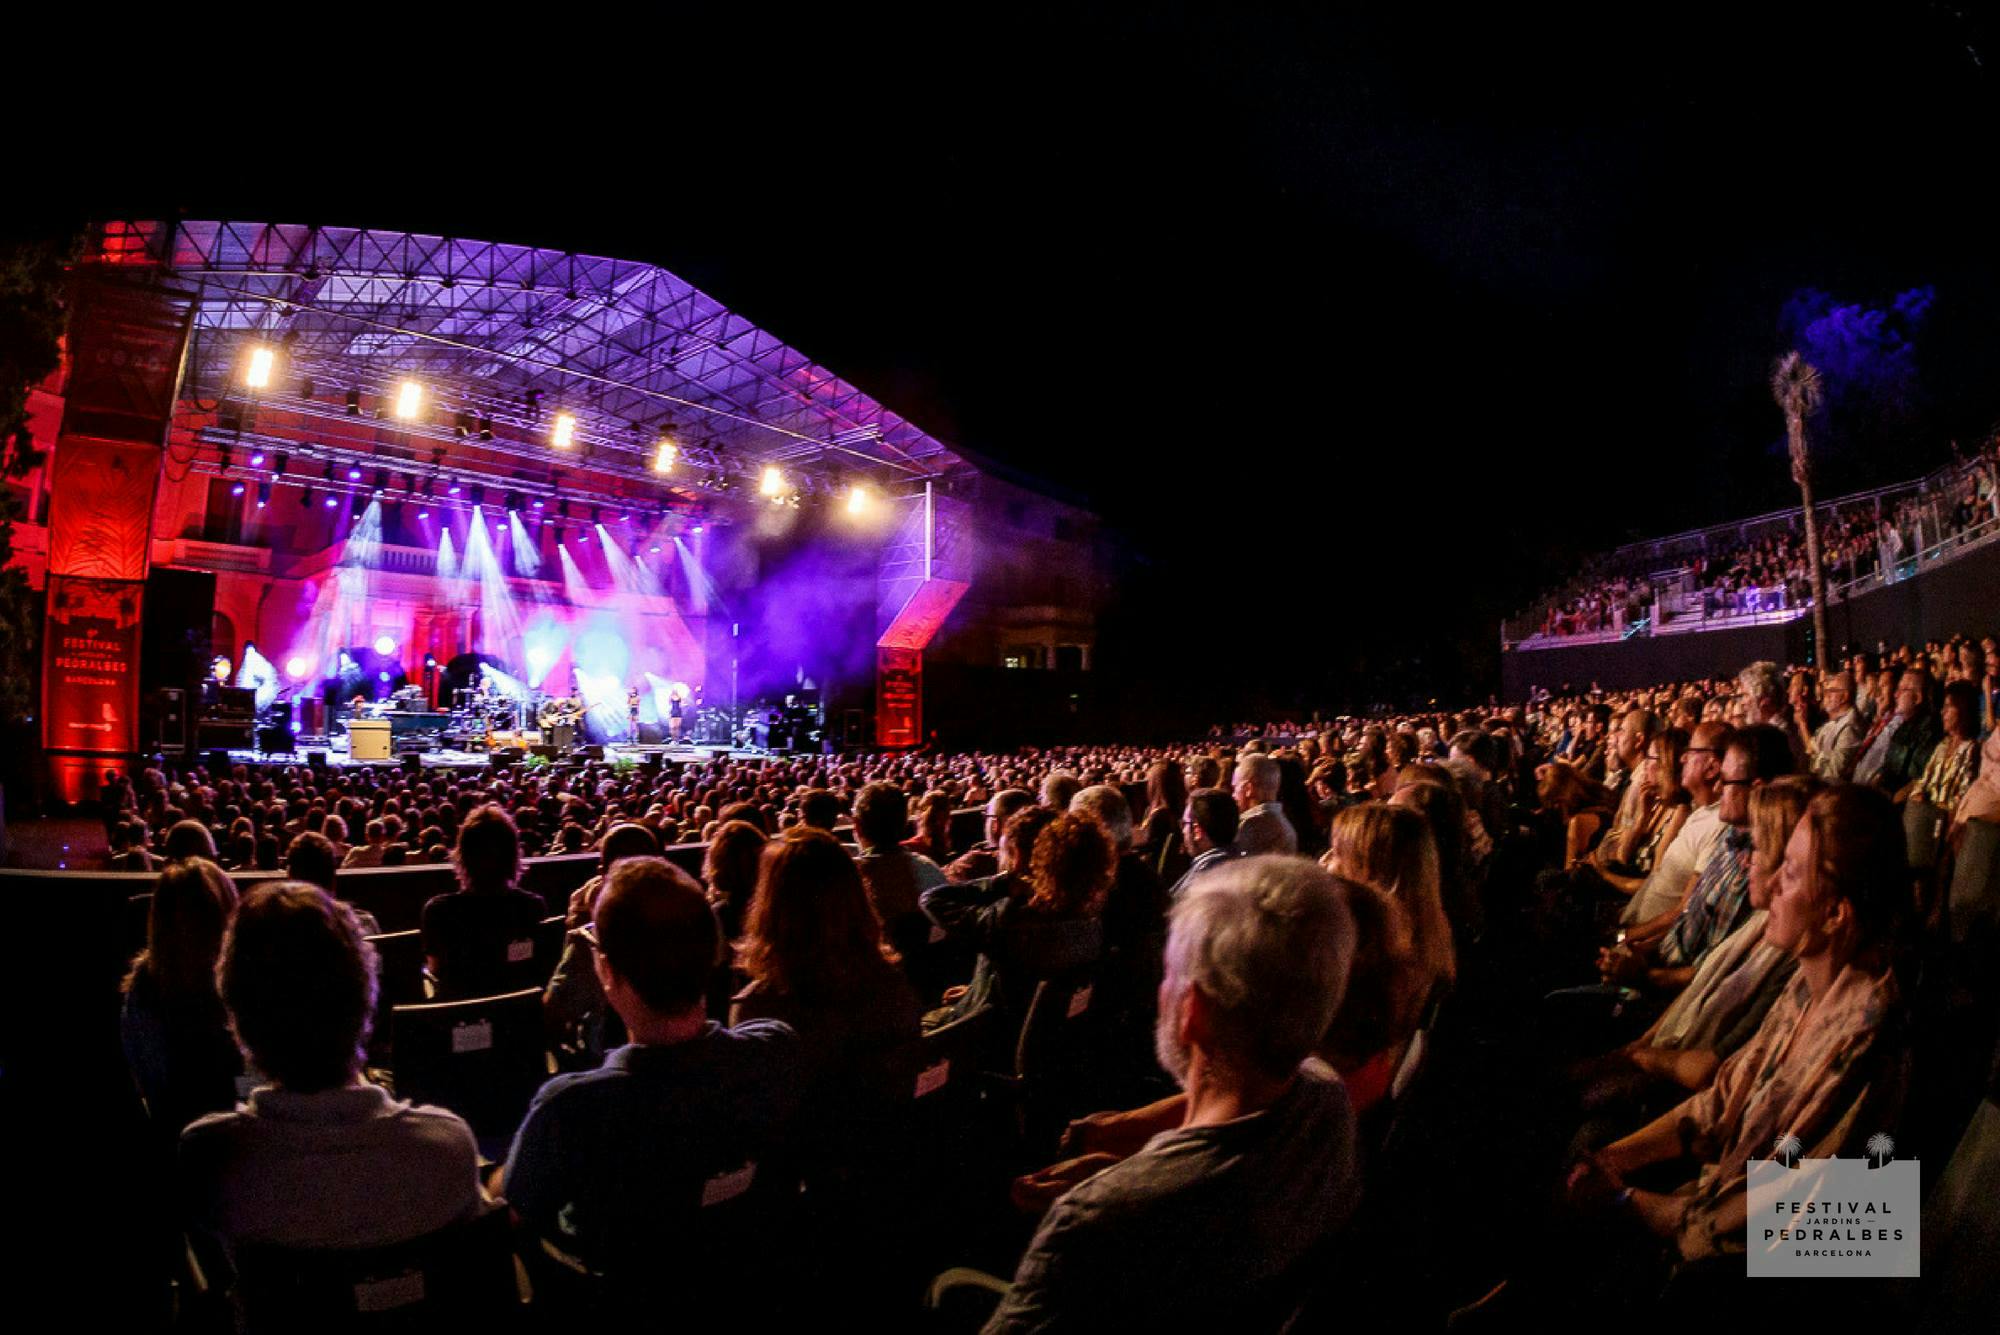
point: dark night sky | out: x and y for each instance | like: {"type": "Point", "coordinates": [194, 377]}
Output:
{"type": "Point", "coordinates": [1360, 322]}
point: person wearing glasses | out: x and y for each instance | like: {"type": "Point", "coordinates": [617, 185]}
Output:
{"type": "Point", "coordinates": [1720, 897]}
{"type": "Point", "coordinates": [1208, 827]}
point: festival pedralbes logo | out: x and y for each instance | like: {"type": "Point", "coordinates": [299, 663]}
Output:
{"type": "Point", "coordinates": [1833, 1217]}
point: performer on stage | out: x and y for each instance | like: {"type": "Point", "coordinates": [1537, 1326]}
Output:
{"type": "Point", "coordinates": [632, 709]}
{"type": "Point", "coordinates": [674, 716]}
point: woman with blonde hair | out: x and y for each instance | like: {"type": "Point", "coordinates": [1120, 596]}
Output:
{"type": "Point", "coordinates": [1391, 849]}
{"type": "Point", "coordinates": [175, 1035]}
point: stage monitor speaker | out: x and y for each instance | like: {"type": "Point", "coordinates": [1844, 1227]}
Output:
{"type": "Point", "coordinates": [591, 752]}
{"type": "Point", "coordinates": [544, 750]}
{"type": "Point", "coordinates": [650, 734]}
{"type": "Point", "coordinates": [505, 756]}
{"type": "Point", "coordinates": [276, 741]}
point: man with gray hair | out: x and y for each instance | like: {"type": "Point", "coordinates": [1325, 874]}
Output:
{"type": "Point", "coordinates": [1263, 828]}
{"type": "Point", "coordinates": [1216, 1224]}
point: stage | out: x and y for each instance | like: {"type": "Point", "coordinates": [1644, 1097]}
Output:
{"type": "Point", "coordinates": [336, 757]}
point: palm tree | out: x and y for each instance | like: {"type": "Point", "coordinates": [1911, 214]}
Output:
{"type": "Point", "coordinates": [1795, 383]}
{"type": "Point", "coordinates": [1881, 1149]}
{"type": "Point", "coordinates": [1786, 1148]}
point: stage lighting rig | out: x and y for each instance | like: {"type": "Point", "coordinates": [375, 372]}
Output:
{"type": "Point", "coordinates": [354, 403]}
{"type": "Point", "coordinates": [485, 427]}
{"type": "Point", "coordinates": [664, 456]}
{"type": "Point", "coordinates": [263, 494]}
{"type": "Point", "coordinates": [564, 435]}
{"type": "Point", "coordinates": [381, 480]}
{"type": "Point", "coordinates": [257, 375]}
{"type": "Point", "coordinates": [280, 462]}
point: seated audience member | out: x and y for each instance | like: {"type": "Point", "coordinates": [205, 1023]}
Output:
{"type": "Point", "coordinates": [1040, 917]}
{"type": "Point", "coordinates": [1833, 748]}
{"type": "Point", "coordinates": [175, 1034]}
{"type": "Point", "coordinates": [311, 859]}
{"type": "Point", "coordinates": [1256, 963]}
{"type": "Point", "coordinates": [1262, 827]}
{"type": "Point", "coordinates": [1900, 741]}
{"type": "Point", "coordinates": [1208, 828]}
{"type": "Point", "coordinates": [479, 940]}
{"type": "Point", "coordinates": [371, 853]}
{"type": "Point", "coordinates": [317, 1157]}
{"type": "Point", "coordinates": [1431, 792]}
{"type": "Point", "coordinates": [1391, 850]}
{"type": "Point", "coordinates": [1716, 902]}
{"type": "Point", "coordinates": [611, 1166]}
{"type": "Point", "coordinates": [729, 870]}
{"type": "Point", "coordinates": [813, 952]}
{"type": "Point", "coordinates": [128, 848]}
{"type": "Point", "coordinates": [1981, 798]}
{"type": "Point", "coordinates": [933, 836]}
{"type": "Point", "coordinates": [983, 858]}
{"type": "Point", "coordinates": [1823, 1070]}
{"type": "Point", "coordinates": [1058, 788]}
{"type": "Point", "coordinates": [1733, 988]}
{"type": "Point", "coordinates": [1674, 870]}
{"type": "Point", "coordinates": [1160, 839]}
{"type": "Point", "coordinates": [572, 1002]}
{"type": "Point", "coordinates": [189, 839]}
{"type": "Point", "coordinates": [1953, 762]}
{"type": "Point", "coordinates": [1584, 808]}
{"type": "Point", "coordinates": [895, 876]}
{"type": "Point", "coordinates": [819, 809]}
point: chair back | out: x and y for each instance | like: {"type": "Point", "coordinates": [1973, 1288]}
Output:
{"type": "Point", "coordinates": [461, 1277]}
{"type": "Point", "coordinates": [482, 1057]}
{"type": "Point", "coordinates": [399, 981]}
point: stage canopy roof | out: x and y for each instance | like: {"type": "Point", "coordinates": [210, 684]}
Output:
{"type": "Point", "coordinates": [504, 340]}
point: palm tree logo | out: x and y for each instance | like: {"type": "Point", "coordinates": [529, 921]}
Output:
{"type": "Point", "coordinates": [1787, 1150]}
{"type": "Point", "coordinates": [1881, 1149]}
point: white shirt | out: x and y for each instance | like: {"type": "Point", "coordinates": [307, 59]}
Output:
{"type": "Point", "coordinates": [1677, 863]}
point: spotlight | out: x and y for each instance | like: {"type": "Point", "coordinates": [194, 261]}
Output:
{"type": "Point", "coordinates": [485, 427]}
{"type": "Point", "coordinates": [257, 459]}
{"type": "Point", "coordinates": [381, 480]}
{"type": "Point", "coordinates": [306, 388]}
{"type": "Point", "coordinates": [697, 530]}
{"type": "Point", "coordinates": [409, 400]}
{"type": "Point", "coordinates": [465, 424]}
{"type": "Point", "coordinates": [423, 515]}
{"type": "Point", "coordinates": [454, 488]}
{"type": "Point", "coordinates": [332, 502]}
{"type": "Point", "coordinates": [513, 502]}
{"type": "Point", "coordinates": [258, 376]}
{"type": "Point", "coordinates": [857, 499]}
{"type": "Point", "coordinates": [354, 403]}
{"type": "Point", "coordinates": [773, 483]}
{"type": "Point", "coordinates": [296, 667]}
{"type": "Point", "coordinates": [224, 452]}
{"type": "Point", "coordinates": [353, 475]}
{"type": "Point", "coordinates": [385, 645]}
{"type": "Point", "coordinates": [236, 490]}
{"type": "Point", "coordinates": [538, 502]}
{"type": "Point", "coordinates": [280, 462]}
{"type": "Point", "coordinates": [479, 495]}
{"type": "Point", "coordinates": [437, 457]}
{"type": "Point", "coordinates": [263, 494]}
{"type": "Point", "coordinates": [597, 516]}
{"type": "Point", "coordinates": [306, 496]}
{"type": "Point", "coordinates": [382, 676]}
{"type": "Point", "coordinates": [430, 661]}
{"type": "Point", "coordinates": [656, 547]}
{"type": "Point", "coordinates": [330, 468]}
{"type": "Point", "coordinates": [565, 432]}
{"type": "Point", "coordinates": [664, 456]}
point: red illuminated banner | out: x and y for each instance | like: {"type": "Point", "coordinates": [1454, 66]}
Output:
{"type": "Point", "coordinates": [899, 697]}
{"type": "Point", "coordinates": [90, 674]}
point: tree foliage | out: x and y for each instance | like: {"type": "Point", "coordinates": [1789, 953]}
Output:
{"type": "Point", "coordinates": [33, 282]}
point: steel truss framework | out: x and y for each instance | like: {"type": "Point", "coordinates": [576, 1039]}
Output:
{"type": "Point", "coordinates": [506, 337]}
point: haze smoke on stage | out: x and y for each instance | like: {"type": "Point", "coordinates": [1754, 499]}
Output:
{"type": "Point", "coordinates": [336, 618]}
{"type": "Point", "coordinates": [527, 560]}
{"type": "Point", "coordinates": [259, 674]}
{"type": "Point", "coordinates": [703, 595]}
{"type": "Point", "coordinates": [499, 620]}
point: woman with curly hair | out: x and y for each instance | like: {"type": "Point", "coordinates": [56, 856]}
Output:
{"type": "Point", "coordinates": [1041, 916]}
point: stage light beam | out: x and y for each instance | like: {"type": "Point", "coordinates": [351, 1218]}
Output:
{"type": "Point", "coordinates": [773, 483]}
{"type": "Point", "coordinates": [857, 500]}
{"type": "Point", "coordinates": [664, 456]}
{"type": "Point", "coordinates": [409, 400]}
{"type": "Point", "coordinates": [258, 374]}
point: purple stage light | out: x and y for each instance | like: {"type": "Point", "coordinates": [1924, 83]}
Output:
{"type": "Point", "coordinates": [697, 530]}
{"type": "Point", "coordinates": [353, 475]}
{"type": "Point", "coordinates": [454, 489]}
{"type": "Point", "coordinates": [656, 547]}
{"type": "Point", "coordinates": [332, 501]}
{"type": "Point", "coordinates": [538, 505]}
{"type": "Point", "coordinates": [236, 490]}
{"type": "Point", "coordinates": [423, 514]}
{"type": "Point", "coordinates": [257, 459]}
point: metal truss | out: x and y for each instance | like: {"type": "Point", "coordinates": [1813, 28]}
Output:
{"type": "Point", "coordinates": [507, 337]}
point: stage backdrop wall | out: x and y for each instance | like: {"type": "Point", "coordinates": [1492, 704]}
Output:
{"type": "Point", "coordinates": [1959, 598]}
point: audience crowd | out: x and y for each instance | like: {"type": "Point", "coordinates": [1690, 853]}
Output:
{"type": "Point", "coordinates": [1768, 571]}
{"type": "Point", "coordinates": [1734, 911]}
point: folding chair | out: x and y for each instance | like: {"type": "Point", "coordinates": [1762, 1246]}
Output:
{"type": "Point", "coordinates": [483, 1058]}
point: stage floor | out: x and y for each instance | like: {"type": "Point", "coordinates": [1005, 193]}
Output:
{"type": "Point", "coordinates": [338, 758]}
